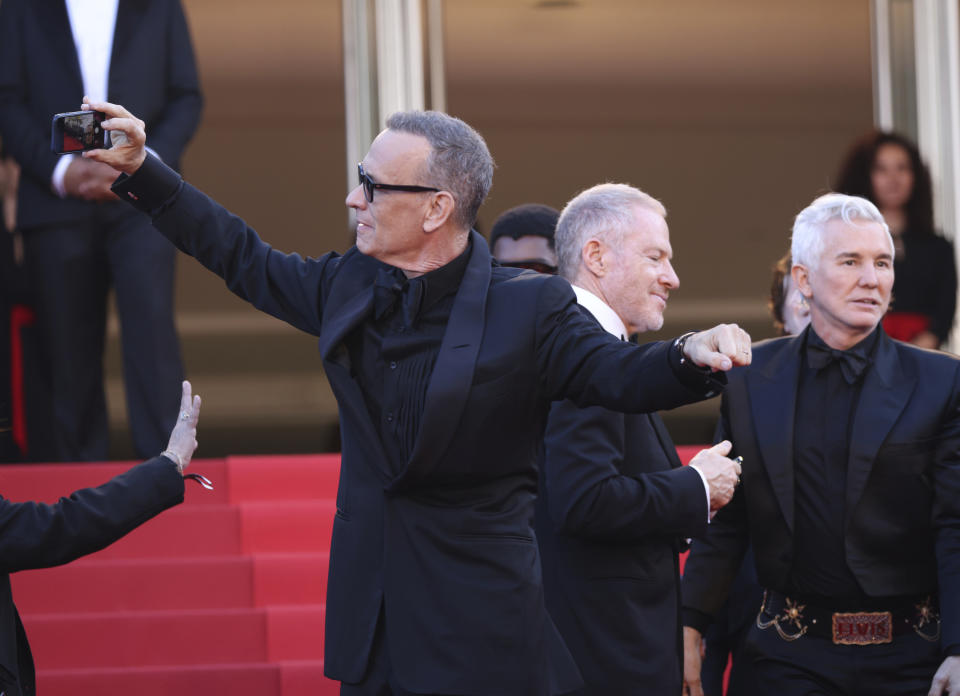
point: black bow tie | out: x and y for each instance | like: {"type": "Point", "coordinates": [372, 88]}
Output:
{"type": "Point", "coordinates": [852, 364]}
{"type": "Point", "coordinates": [392, 287]}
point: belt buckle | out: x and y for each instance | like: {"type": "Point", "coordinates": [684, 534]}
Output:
{"type": "Point", "coordinates": [863, 628]}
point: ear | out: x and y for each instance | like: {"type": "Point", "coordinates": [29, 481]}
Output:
{"type": "Point", "coordinates": [592, 255]}
{"type": "Point", "coordinates": [801, 279]}
{"type": "Point", "coordinates": [439, 211]}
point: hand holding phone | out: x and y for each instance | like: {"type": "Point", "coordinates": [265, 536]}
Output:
{"type": "Point", "coordinates": [78, 131]}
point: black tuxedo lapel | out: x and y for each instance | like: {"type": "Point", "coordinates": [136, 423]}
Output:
{"type": "Point", "coordinates": [54, 18]}
{"type": "Point", "coordinates": [453, 372]}
{"type": "Point", "coordinates": [129, 15]}
{"type": "Point", "coordinates": [885, 393]}
{"type": "Point", "coordinates": [773, 401]}
{"type": "Point", "coordinates": [349, 303]}
{"type": "Point", "coordinates": [665, 441]}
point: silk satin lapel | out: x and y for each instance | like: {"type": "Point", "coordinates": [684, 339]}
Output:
{"type": "Point", "coordinates": [453, 372]}
{"type": "Point", "coordinates": [665, 441]}
{"type": "Point", "coordinates": [884, 395]}
{"type": "Point", "coordinates": [349, 303]}
{"type": "Point", "coordinates": [773, 400]}
{"type": "Point", "coordinates": [129, 14]}
{"type": "Point", "coordinates": [54, 18]}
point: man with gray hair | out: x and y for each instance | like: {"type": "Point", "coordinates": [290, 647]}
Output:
{"type": "Point", "coordinates": [851, 486]}
{"type": "Point", "coordinates": [434, 584]}
{"type": "Point", "coordinates": [615, 505]}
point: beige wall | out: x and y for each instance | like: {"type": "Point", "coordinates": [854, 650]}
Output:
{"type": "Point", "coordinates": [733, 113]}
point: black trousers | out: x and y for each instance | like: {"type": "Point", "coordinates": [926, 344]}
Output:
{"type": "Point", "coordinates": [814, 666]}
{"type": "Point", "coordinates": [72, 267]}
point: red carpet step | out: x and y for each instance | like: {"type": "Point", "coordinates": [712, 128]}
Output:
{"type": "Point", "coordinates": [221, 595]}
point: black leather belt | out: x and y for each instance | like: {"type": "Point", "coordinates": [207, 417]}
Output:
{"type": "Point", "coordinates": [794, 618]}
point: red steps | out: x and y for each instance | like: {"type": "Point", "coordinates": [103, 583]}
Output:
{"type": "Point", "coordinates": [223, 594]}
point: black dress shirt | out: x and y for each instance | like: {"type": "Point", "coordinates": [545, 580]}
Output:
{"type": "Point", "coordinates": [823, 419]}
{"type": "Point", "coordinates": [394, 351]}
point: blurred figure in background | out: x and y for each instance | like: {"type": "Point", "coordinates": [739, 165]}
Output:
{"type": "Point", "coordinates": [79, 241]}
{"type": "Point", "coordinates": [522, 237]}
{"type": "Point", "coordinates": [724, 639]}
{"type": "Point", "coordinates": [886, 168]}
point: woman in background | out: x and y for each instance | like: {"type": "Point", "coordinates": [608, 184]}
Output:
{"type": "Point", "coordinates": [886, 168]}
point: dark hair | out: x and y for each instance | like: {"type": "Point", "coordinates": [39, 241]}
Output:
{"type": "Point", "coordinates": [778, 294]}
{"type": "Point", "coordinates": [854, 177]}
{"type": "Point", "coordinates": [529, 220]}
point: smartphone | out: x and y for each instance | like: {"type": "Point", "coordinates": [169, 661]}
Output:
{"type": "Point", "coordinates": [78, 131]}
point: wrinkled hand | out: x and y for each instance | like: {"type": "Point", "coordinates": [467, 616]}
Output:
{"type": "Point", "coordinates": [128, 137]}
{"type": "Point", "coordinates": [692, 659]}
{"type": "Point", "coordinates": [946, 682]}
{"type": "Point", "coordinates": [722, 474]}
{"type": "Point", "coordinates": [183, 439]}
{"type": "Point", "coordinates": [719, 348]}
{"type": "Point", "coordinates": [90, 180]}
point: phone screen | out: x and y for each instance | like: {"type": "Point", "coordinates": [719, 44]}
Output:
{"type": "Point", "coordinates": [78, 131]}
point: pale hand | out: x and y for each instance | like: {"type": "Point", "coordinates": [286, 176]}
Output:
{"type": "Point", "coordinates": [720, 348]}
{"type": "Point", "coordinates": [722, 474]}
{"type": "Point", "coordinates": [692, 660]}
{"type": "Point", "coordinates": [127, 134]}
{"type": "Point", "coordinates": [183, 439]}
{"type": "Point", "coordinates": [946, 682]}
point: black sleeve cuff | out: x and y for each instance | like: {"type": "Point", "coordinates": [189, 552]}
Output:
{"type": "Point", "coordinates": [151, 188]}
{"type": "Point", "coordinates": [695, 618]}
{"type": "Point", "coordinates": [701, 380]}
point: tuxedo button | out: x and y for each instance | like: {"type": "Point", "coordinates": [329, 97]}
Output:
{"type": "Point", "coordinates": [393, 364]}
{"type": "Point", "coordinates": [389, 418]}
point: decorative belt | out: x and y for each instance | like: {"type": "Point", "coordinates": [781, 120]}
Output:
{"type": "Point", "coordinates": [793, 618]}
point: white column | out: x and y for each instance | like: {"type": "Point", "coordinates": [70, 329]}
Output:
{"type": "Point", "coordinates": [938, 108]}
{"type": "Point", "coordinates": [882, 64]}
{"type": "Point", "coordinates": [399, 57]}
{"type": "Point", "coordinates": [359, 81]}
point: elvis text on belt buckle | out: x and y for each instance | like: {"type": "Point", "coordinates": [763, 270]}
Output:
{"type": "Point", "coordinates": [864, 628]}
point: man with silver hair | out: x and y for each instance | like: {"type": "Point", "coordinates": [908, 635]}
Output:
{"type": "Point", "coordinates": [444, 368]}
{"type": "Point", "coordinates": [851, 486]}
{"type": "Point", "coordinates": [615, 505]}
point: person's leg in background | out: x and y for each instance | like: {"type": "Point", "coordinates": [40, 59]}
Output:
{"type": "Point", "coordinates": [142, 265]}
{"type": "Point", "coordinates": [69, 278]}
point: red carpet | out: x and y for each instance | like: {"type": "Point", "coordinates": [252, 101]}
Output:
{"type": "Point", "coordinates": [223, 594]}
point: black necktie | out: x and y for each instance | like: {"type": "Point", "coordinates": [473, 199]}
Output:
{"type": "Point", "coordinates": [852, 364]}
{"type": "Point", "coordinates": [391, 287]}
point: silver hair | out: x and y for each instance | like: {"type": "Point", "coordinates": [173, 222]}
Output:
{"type": "Point", "coordinates": [604, 211]}
{"type": "Point", "coordinates": [806, 244]}
{"type": "Point", "coordinates": [459, 160]}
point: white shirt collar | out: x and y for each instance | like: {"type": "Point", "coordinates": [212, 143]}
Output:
{"type": "Point", "coordinates": [603, 313]}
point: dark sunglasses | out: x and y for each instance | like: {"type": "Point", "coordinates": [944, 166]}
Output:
{"type": "Point", "coordinates": [532, 265]}
{"type": "Point", "coordinates": [369, 186]}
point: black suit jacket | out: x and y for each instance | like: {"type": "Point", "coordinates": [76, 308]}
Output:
{"type": "Point", "coordinates": [445, 546]}
{"type": "Point", "coordinates": [614, 508]}
{"type": "Point", "coordinates": [152, 73]}
{"type": "Point", "coordinates": [35, 535]}
{"type": "Point", "coordinates": [902, 527]}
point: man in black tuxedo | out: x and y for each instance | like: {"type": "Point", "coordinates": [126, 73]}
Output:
{"type": "Point", "coordinates": [78, 239]}
{"type": "Point", "coordinates": [434, 583]}
{"type": "Point", "coordinates": [615, 506]}
{"type": "Point", "coordinates": [37, 535]}
{"type": "Point", "coordinates": [851, 486]}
